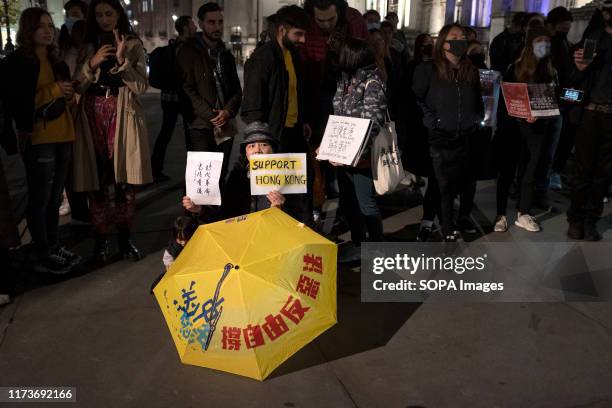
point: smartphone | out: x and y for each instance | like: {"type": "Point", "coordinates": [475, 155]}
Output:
{"type": "Point", "coordinates": [589, 51]}
{"type": "Point", "coordinates": [572, 95]}
{"type": "Point", "coordinates": [107, 39]}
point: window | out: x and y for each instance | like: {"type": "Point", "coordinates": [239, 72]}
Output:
{"type": "Point", "coordinates": [151, 6]}
{"type": "Point", "coordinates": [145, 6]}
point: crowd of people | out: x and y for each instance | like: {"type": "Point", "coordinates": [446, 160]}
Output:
{"type": "Point", "coordinates": [72, 109]}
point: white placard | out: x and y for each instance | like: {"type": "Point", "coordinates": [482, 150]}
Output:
{"type": "Point", "coordinates": [202, 177]}
{"type": "Point", "coordinates": [285, 173]}
{"type": "Point", "coordinates": [344, 139]}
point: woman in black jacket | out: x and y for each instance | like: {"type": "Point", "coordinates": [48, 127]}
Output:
{"type": "Point", "coordinates": [448, 91]}
{"type": "Point", "coordinates": [539, 136]}
{"type": "Point", "coordinates": [37, 99]}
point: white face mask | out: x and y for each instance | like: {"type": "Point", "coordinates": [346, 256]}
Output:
{"type": "Point", "coordinates": [541, 49]}
{"type": "Point", "coordinates": [69, 22]}
{"type": "Point", "coordinates": [373, 26]}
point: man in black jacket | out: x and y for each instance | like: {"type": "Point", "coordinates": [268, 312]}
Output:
{"type": "Point", "coordinates": [170, 95]}
{"type": "Point", "coordinates": [272, 78]}
{"type": "Point", "coordinates": [506, 47]}
{"type": "Point", "coordinates": [593, 151]}
{"type": "Point", "coordinates": [210, 81]}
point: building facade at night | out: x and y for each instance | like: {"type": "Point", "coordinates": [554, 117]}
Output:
{"type": "Point", "coordinates": [153, 20]}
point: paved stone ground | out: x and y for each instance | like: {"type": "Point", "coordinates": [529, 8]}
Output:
{"type": "Point", "coordinates": [101, 331]}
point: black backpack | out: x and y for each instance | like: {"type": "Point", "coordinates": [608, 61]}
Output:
{"type": "Point", "coordinates": [162, 67]}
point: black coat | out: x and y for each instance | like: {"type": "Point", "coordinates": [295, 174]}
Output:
{"type": "Point", "coordinates": [199, 86]}
{"type": "Point", "coordinates": [451, 109]}
{"type": "Point", "coordinates": [20, 74]}
{"type": "Point", "coordinates": [266, 84]}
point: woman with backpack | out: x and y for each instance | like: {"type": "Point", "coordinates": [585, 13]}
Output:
{"type": "Point", "coordinates": [113, 147]}
{"type": "Point", "coordinates": [360, 94]}
{"type": "Point", "coordinates": [37, 98]}
{"type": "Point", "coordinates": [448, 90]}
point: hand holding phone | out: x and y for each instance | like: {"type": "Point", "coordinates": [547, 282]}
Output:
{"type": "Point", "coordinates": [572, 95]}
{"type": "Point", "coordinates": [588, 51]}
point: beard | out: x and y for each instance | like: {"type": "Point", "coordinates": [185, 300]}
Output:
{"type": "Point", "coordinates": [288, 44]}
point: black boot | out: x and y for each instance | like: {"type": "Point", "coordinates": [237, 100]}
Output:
{"type": "Point", "coordinates": [126, 247]}
{"type": "Point", "coordinates": [576, 230]}
{"type": "Point", "coordinates": [101, 251]}
{"type": "Point", "coordinates": [590, 231]}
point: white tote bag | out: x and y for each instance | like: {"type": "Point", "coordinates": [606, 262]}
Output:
{"type": "Point", "coordinates": [387, 169]}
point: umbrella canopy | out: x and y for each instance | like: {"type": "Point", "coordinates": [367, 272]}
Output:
{"type": "Point", "coordinates": [248, 292]}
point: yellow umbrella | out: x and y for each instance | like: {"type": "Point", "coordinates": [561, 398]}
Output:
{"type": "Point", "coordinates": [248, 292]}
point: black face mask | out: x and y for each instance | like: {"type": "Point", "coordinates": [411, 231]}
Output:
{"type": "Point", "coordinates": [478, 60]}
{"type": "Point", "coordinates": [458, 47]}
{"type": "Point", "coordinates": [428, 50]}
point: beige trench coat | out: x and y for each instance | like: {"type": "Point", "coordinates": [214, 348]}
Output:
{"type": "Point", "coordinates": [132, 157]}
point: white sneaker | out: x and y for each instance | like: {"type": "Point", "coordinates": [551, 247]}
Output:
{"type": "Point", "coordinates": [4, 300]}
{"type": "Point", "coordinates": [65, 207]}
{"type": "Point", "coordinates": [527, 222]}
{"type": "Point", "coordinates": [501, 224]}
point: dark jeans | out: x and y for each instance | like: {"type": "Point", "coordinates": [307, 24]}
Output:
{"type": "Point", "coordinates": [46, 170]}
{"type": "Point", "coordinates": [536, 158]}
{"type": "Point", "coordinates": [455, 176]}
{"type": "Point", "coordinates": [593, 167]}
{"type": "Point", "coordinates": [299, 206]}
{"type": "Point", "coordinates": [432, 200]}
{"type": "Point", "coordinates": [203, 140]}
{"type": "Point", "coordinates": [565, 146]}
{"type": "Point", "coordinates": [552, 130]}
{"type": "Point", "coordinates": [170, 112]}
{"type": "Point", "coordinates": [358, 204]}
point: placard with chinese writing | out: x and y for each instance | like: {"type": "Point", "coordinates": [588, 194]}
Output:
{"type": "Point", "coordinates": [202, 177]}
{"type": "Point", "coordinates": [344, 139]}
{"type": "Point", "coordinates": [285, 173]}
{"type": "Point", "coordinates": [530, 100]}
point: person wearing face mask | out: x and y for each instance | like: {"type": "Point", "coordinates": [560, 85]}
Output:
{"type": "Point", "coordinates": [593, 151]}
{"type": "Point", "coordinates": [112, 150]}
{"type": "Point", "coordinates": [448, 91]}
{"type": "Point", "coordinates": [372, 19]}
{"type": "Point", "coordinates": [70, 44]}
{"type": "Point", "coordinates": [274, 94]}
{"type": "Point", "coordinates": [539, 136]}
{"type": "Point", "coordinates": [476, 54]}
{"type": "Point", "coordinates": [559, 21]}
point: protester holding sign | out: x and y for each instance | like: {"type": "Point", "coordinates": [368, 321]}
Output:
{"type": "Point", "coordinates": [448, 91]}
{"type": "Point", "coordinates": [540, 135]}
{"type": "Point", "coordinates": [360, 94]}
{"type": "Point", "coordinates": [236, 196]}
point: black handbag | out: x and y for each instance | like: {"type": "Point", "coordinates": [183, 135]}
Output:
{"type": "Point", "coordinates": [52, 110]}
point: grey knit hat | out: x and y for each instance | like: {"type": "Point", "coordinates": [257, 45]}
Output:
{"type": "Point", "coordinates": [257, 132]}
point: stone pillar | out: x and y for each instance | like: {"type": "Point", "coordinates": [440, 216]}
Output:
{"type": "Point", "coordinates": [582, 16]}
